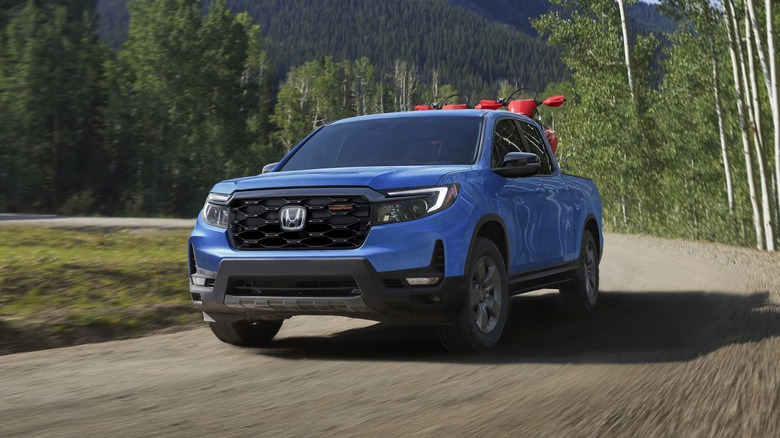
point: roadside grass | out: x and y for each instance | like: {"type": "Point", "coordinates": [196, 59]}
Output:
{"type": "Point", "coordinates": [62, 287]}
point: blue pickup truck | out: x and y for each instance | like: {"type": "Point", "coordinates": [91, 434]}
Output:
{"type": "Point", "coordinates": [432, 217]}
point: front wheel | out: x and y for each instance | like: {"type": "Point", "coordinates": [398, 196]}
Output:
{"type": "Point", "coordinates": [583, 292]}
{"type": "Point", "coordinates": [246, 333]}
{"type": "Point", "coordinates": [483, 318]}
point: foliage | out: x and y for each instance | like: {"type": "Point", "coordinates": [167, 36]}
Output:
{"type": "Point", "coordinates": [314, 94]}
{"type": "Point", "coordinates": [199, 93]}
{"type": "Point", "coordinates": [695, 186]}
{"type": "Point", "coordinates": [471, 52]}
{"type": "Point", "coordinates": [656, 156]}
{"type": "Point", "coordinates": [183, 76]}
{"type": "Point", "coordinates": [50, 103]}
{"type": "Point", "coordinates": [606, 124]}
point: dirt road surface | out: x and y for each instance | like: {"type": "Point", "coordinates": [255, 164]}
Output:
{"type": "Point", "coordinates": [685, 342]}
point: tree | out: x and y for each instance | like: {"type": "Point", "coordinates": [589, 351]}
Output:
{"type": "Point", "coordinates": [735, 51]}
{"type": "Point", "coordinates": [258, 84]}
{"type": "Point", "coordinates": [363, 86]}
{"type": "Point", "coordinates": [626, 45]}
{"type": "Point", "coordinates": [606, 125]}
{"type": "Point", "coordinates": [754, 112]}
{"type": "Point", "coordinates": [50, 102]}
{"type": "Point", "coordinates": [774, 95]}
{"type": "Point", "coordinates": [406, 79]}
{"type": "Point", "coordinates": [704, 23]}
{"type": "Point", "coordinates": [319, 92]}
{"type": "Point", "coordinates": [185, 78]}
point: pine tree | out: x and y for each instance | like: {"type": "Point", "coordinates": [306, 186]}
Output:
{"type": "Point", "coordinates": [185, 78]}
{"type": "Point", "coordinates": [50, 100]}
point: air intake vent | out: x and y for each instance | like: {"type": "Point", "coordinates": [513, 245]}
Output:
{"type": "Point", "coordinates": [438, 256]}
{"type": "Point", "coordinates": [337, 287]}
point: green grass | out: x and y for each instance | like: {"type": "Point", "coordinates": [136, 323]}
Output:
{"type": "Point", "coordinates": [62, 287]}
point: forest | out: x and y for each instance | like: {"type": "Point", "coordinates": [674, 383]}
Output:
{"type": "Point", "coordinates": [679, 129]}
{"type": "Point", "coordinates": [468, 50]}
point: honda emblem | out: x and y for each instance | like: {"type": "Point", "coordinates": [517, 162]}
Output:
{"type": "Point", "coordinates": [292, 218]}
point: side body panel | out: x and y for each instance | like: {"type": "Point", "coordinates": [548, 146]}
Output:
{"type": "Point", "coordinates": [587, 206]}
{"type": "Point", "coordinates": [539, 212]}
{"type": "Point", "coordinates": [542, 218]}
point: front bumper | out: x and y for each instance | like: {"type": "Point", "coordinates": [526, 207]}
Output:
{"type": "Point", "coordinates": [375, 296]}
{"type": "Point", "coordinates": [435, 245]}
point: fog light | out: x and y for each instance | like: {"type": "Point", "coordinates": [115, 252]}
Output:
{"type": "Point", "coordinates": [422, 281]}
{"type": "Point", "coordinates": [201, 280]}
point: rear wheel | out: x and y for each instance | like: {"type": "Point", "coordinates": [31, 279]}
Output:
{"type": "Point", "coordinates": [582, 293]}
{"type": "Point", "coordinates": [246, 333]}
{"type": "Point", "coordinates": [481, 323]}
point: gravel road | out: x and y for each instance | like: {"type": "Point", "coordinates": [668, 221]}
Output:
{"type": "Point", "coordinates": [685, 342]}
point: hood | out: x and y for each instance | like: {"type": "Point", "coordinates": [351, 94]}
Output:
{"type": "Point", "coordinates": [377, 178]}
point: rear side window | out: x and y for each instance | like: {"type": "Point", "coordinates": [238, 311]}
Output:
{"type": "Point", "coordinates": [534, 144]}
{"type": "Point", "coordinates": [506, 139]}
{"type": "Point", "coordinates": [517, 136]}
{"type": "Point", "coordinates": [400, 141]}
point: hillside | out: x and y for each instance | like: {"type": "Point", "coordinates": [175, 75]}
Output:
{"type": "Point", "coordinates": [473, 44]}
{"type": "Point", "coordinates": [516, 13]}
{"type": "Point", "coordinates": [643, 17]}
{"type": "Point", "coordinates": [470, 52]}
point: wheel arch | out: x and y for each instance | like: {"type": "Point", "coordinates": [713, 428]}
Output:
{"type": "Point", "coordinates": [492, 227]}
{"type": "Point", "coordinates": [591, 226]}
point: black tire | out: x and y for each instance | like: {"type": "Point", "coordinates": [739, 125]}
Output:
{"type": "Point", "coordinates": [582, 293]}
{"type": "Point", "coordinates": [246, 333]}
{"type": "Point", "coordinates": [485, 312]}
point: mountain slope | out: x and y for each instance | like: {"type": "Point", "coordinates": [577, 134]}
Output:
{"type": "Point", "coordinates": [470, 52]}
{"type": "Point", "coordinates": [516, 13]}
{"type": "Point", "coordinates": [473, 44]}
{"type": "Point", "coordinates": [643, 17]}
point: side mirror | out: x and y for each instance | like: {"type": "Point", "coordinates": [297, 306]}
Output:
{"type": "Point", "coordinates": [268, 167]}
{"type": "Point", "coordinates": [518, 165]}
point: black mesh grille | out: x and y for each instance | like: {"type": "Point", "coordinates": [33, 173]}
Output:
{"type": "Point", "coordinates": [332, 222]}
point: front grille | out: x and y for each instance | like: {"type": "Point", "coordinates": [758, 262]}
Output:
{"type": "Point", "coordinates": [332, 222]}
{"type": "Point", "coordinates": [338, 287]}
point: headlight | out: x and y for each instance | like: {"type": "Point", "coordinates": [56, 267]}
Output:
{"type": "Point", "coordinates": [215, 212]}
{"type": "Point", "coordinates": [414, 204]}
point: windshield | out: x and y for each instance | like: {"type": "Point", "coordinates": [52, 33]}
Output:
{"type": "Point", "coordinates": [400, 141]}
